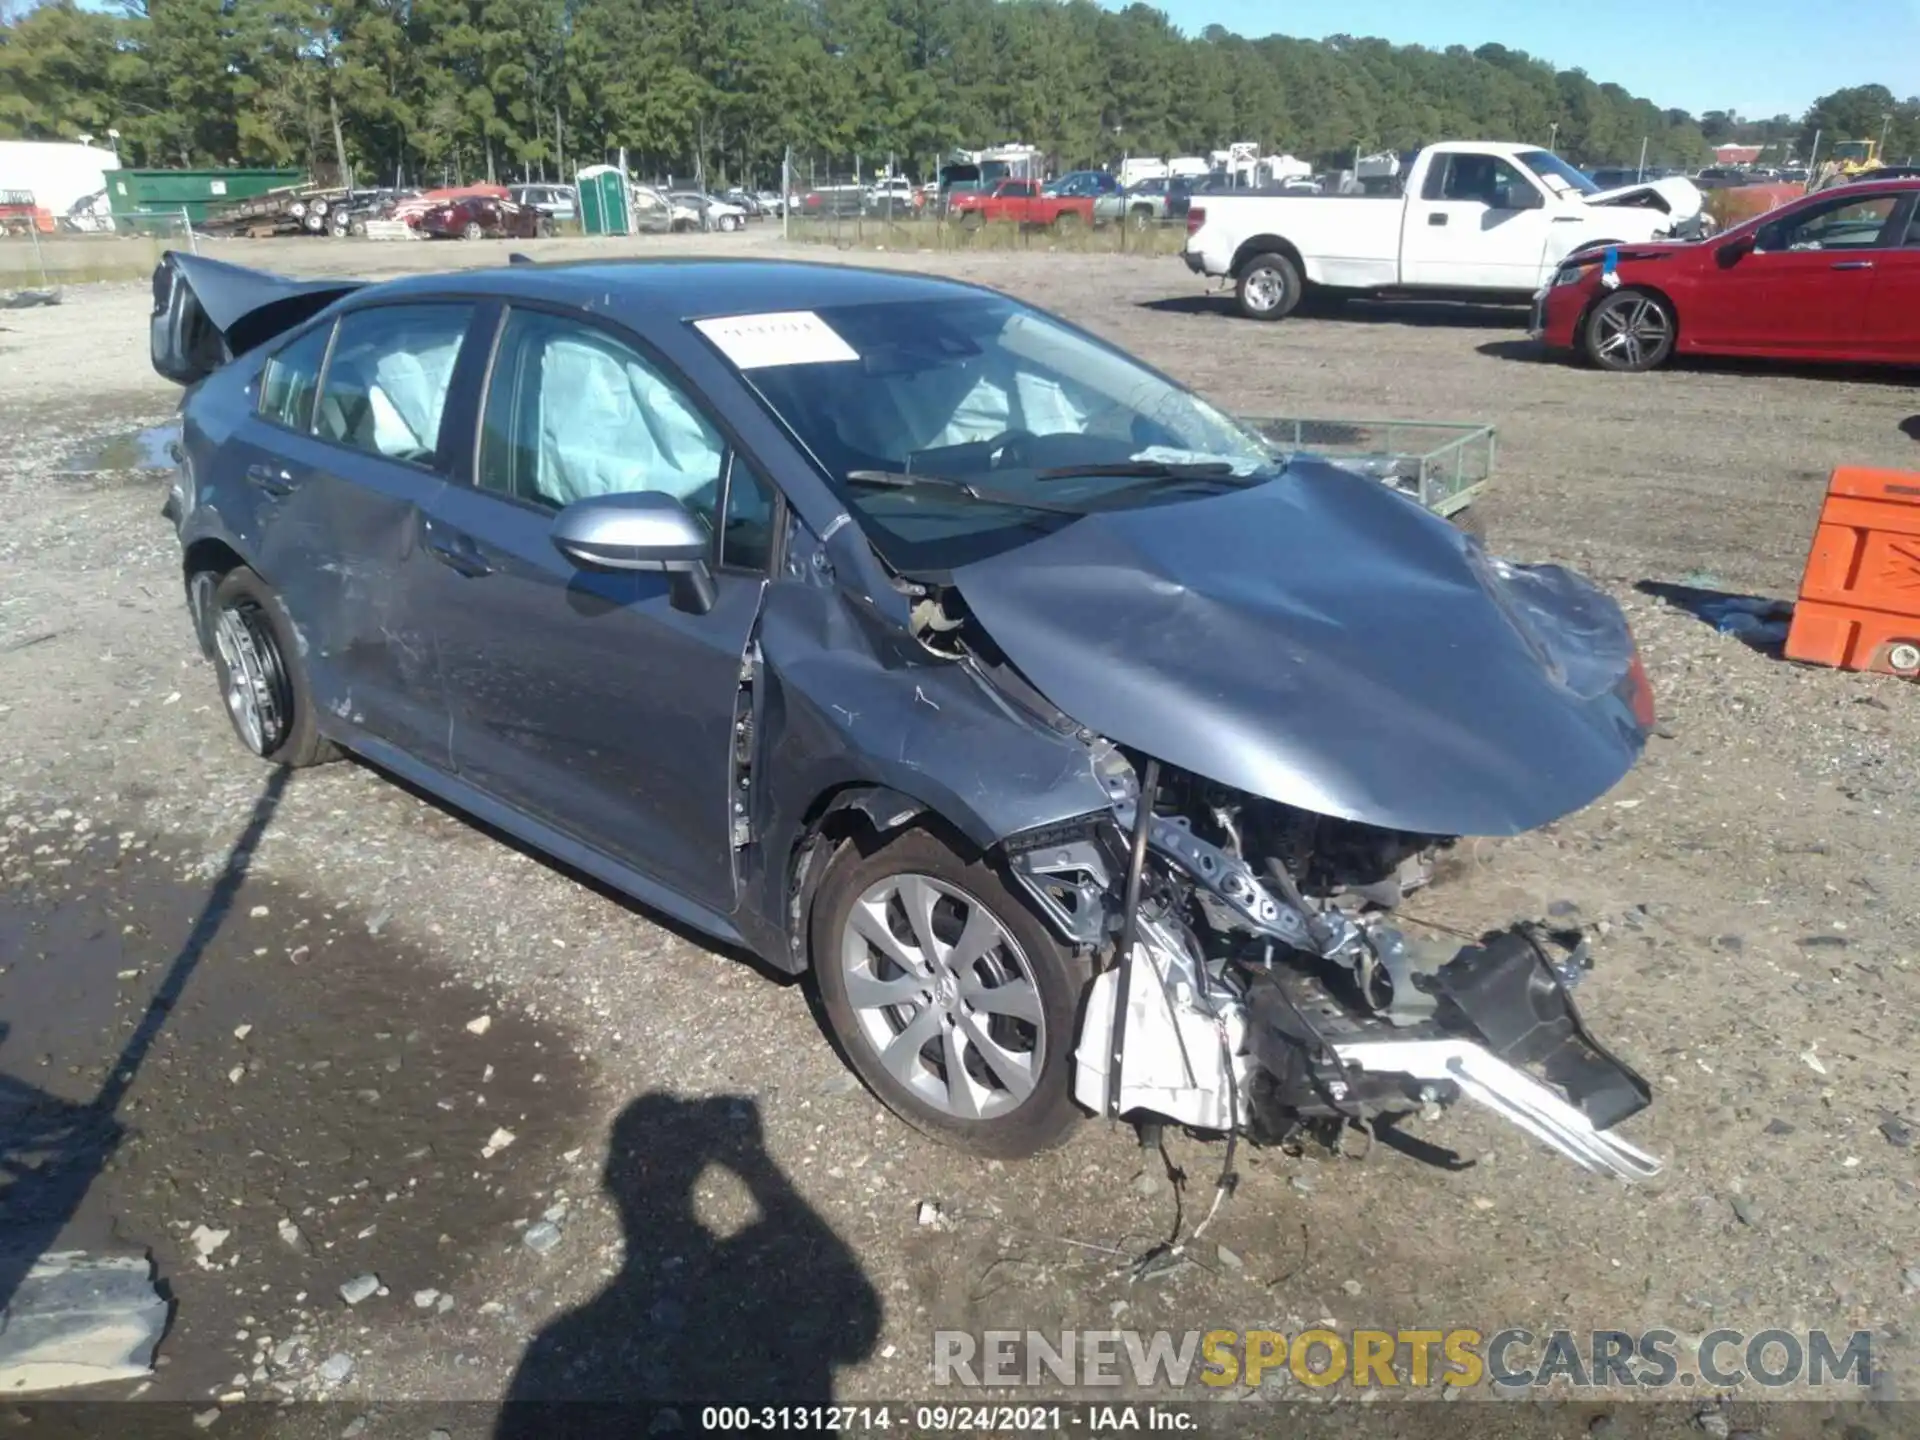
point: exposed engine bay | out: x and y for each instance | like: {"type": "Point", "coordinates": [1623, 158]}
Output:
{"type": "Point", "coordinates": [1264, 986]}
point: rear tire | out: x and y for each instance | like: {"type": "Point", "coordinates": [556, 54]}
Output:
{"type": "Point", "coordinates": [1629, 331]}
{"type": "Point", "coordinates": [262, 680]}
{"type": "Point", "coordinates": [1268, 287]}
{"type": "Point", "coordinates": [472, 230]}
{"type": "Point", "coordinates": [1007, 1012]}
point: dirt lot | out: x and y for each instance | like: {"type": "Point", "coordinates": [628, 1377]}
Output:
{"type": "Point", "coordinates": [297, 971]}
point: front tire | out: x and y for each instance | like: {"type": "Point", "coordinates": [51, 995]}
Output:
{"type": "Point", "coordinates": [1629, 331]}
{"type": "Point", "coordinates": [948, 995]}
{"type": "Point", "coordinates": [729, 223]}
{"type": "Point", "coordinates": [261, 678]}
{"type": "Point", "coordinates": [472, 230]}
{"type": "Point", "coordinates": [1268, 287]}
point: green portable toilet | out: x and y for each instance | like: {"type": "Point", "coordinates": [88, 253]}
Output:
{"type": "Point", "coordinates": [603, 200]}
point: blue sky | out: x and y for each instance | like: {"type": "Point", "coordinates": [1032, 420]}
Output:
{"type": "Point", "coordinates": [1760, 57]}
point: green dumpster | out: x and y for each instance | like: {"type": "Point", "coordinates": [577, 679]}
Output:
{"type": "Point", "coordinates": [603, 200]}
{"type": "Point", "coordinates": [133, 193]}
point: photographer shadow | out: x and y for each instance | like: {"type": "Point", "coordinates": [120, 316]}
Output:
{"type": "Point", "coordinates": [762, 1315]}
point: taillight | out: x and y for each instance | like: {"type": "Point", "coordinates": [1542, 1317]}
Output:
{"type": "Point", "coordinates": [1196, 217]}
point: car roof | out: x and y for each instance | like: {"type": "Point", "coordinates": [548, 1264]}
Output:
{"type": "Point", "coordinates": [1897, 184]}
{"type": "Point", "coordinates": [1507, 148]}
{"type": "Point", "coordinates": [693, 288]}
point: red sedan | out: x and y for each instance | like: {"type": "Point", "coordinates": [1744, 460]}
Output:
{"type": "Point", "coordinates": [1833, 276]}
{"type": "Point", "coordinates": [476, 217]}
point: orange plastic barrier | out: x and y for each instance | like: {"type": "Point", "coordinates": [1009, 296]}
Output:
{"type": "Point", "coordinates": [1859, 606]}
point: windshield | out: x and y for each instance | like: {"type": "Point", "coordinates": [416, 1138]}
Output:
{"type": "Point", "coordinates": [983, 391]}
{"type": "Point", "coordinates": [1556, 174]}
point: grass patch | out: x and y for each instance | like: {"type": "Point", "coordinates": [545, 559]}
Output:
{"type": "Point", "coordinates": [79, 259]}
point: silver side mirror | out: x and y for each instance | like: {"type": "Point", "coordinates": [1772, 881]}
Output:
{"type": "Point", "coordinates": [649, 531]}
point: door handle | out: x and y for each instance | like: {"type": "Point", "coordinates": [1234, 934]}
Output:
{"type": "Point", "coordinates": [270, 478]}
{"type": "Point", "coordinates": [459, 554]}
{"type": "Point", "coordinates": [1436, 217]}
{"type": "Point", "coordinates": [1853, 264]}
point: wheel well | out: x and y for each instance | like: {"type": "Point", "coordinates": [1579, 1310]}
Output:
{"type": "Point", "coordinates": [214, 559]}
{"type": "Point", "coordinates": [215, 556]}
{"type": "Point", "coordinates": [847, 814]}
{"type": "Point", "coordinates": [1261, 245]}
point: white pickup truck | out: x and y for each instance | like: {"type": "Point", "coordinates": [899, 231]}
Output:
{"type": "Point", "coordinates": [1473, 219]}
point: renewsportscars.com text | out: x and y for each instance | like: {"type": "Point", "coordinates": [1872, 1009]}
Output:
{"type": "Point", "coordinates": [1413, 1359]}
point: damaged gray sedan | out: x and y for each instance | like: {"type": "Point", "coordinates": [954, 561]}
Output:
{"type": "Point", "coordinates": [1077, 743]}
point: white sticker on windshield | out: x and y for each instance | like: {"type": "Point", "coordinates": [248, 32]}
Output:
{"type": "Point", "coordinates": [791, 337]}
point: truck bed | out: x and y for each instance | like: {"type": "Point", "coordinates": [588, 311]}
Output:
{"type": "Point", "coordinates": [1346, 241]}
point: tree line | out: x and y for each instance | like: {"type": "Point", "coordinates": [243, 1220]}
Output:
{"type": "Point", "coordinates": [436, 91]}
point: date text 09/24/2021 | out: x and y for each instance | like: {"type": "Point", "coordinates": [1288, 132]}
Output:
{"type": "Point", "coordinates": [1093, 1419]}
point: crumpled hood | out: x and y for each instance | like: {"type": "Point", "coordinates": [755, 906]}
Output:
{"type": "Point", "coordinates": [1683, 198]}
{"type": "Point", "coordinates": [1324, 642]}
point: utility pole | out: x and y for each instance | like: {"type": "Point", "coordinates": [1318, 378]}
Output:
{"type": "Point", "coordinates": [1553, 136]}
{"type": "Point", "coordinates": [1641, 173]}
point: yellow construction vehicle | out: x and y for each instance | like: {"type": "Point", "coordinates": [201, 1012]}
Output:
{"type": "Point", "coordinates": [1848, 160]}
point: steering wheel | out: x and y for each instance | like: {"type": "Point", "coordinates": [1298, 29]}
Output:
{"type": "Point", "coordinates": [1007, 450]}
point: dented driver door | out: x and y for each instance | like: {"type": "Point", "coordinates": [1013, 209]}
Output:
{"type": "Point", "coordinates": [599, 703]}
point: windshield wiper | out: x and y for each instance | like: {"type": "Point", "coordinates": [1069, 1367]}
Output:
{"type": "Point", "coordinates": [1146, 470]}
{"type": "Point", "coordinates": [944, 485]}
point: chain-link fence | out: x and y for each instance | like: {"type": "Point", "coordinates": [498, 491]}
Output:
{"type": "Point", "coordinates": [883, 211]}
{"type": "Point", "coordinates": [33, 260]}
{"type": "Point", "coordinates": [936, 227]}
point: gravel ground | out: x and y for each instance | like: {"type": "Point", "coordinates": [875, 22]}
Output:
{"type": "Point", "coordinates": [681, 1131]}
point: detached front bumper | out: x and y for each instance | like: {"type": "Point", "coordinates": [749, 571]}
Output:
{"type": "Point", "coordinates": [1195, 261]}
{"type": "Point", "coordinates": [1504, 1032]}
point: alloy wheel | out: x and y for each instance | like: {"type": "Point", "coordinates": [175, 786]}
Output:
{"type": "Point", "coordinates": [1632, 332]}
{"type": "Point", "coordinates": [252, 677]}
{"type": "Point", "coordinates": [944, 995]}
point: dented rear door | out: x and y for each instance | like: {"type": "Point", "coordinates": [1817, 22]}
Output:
{"type": "Point", "coordinates": [344, 540]}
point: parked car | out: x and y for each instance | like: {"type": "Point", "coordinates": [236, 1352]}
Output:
{"type": "Point", "coordinates": [899, 632]}
{"type": "Point", "coordinates": [654, 212]}
{"type": "Point", "coordinates": [1085, 182]}
{"type": "Point", "coordinates": [1487, 221]}
{"type": "Point", "coordinates": [1146, 202]}
{"type": "Point", "coordinates": [748, 202]}
{"type": "Point", "coordinates": [1832, 276]}
{"type": "Point", "coordinates": [891, 192]}
{"type": "Point", "coordinates": [772, 202]}
{"type": "Point", "coordinates": [1724, 177]}
{"type": "Point", "coordinates": [478, 217]}
{"type": "Point", "coordinates": [556, 202]}
{"type": "Point", "coordinates": [709, 211]}
{"type": "Point", "coordinates": [1021, 202]}
{"type": "Point", "coordinates": [832, 200]}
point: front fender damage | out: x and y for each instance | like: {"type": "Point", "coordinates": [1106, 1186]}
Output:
{"type": "Point", "coordinates": [1244, 939]}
